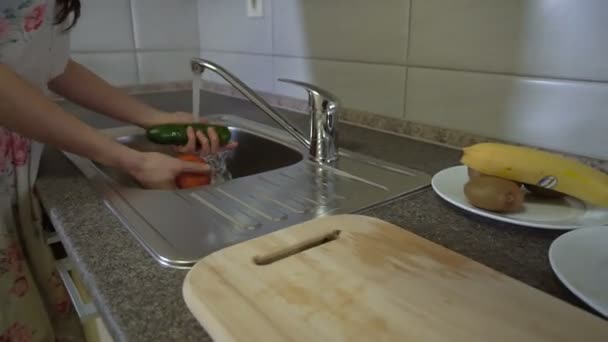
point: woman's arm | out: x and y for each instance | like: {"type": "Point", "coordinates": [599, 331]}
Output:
{"type": "Point", "coordinates": [24, 109]}
{"type": "Point", "coordinates": [80, 85]}
{"type": "Point", "coordinates": [83, 87]}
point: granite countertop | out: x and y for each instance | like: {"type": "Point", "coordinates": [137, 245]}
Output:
{"type": "Point", "coordinates": [140, 300]}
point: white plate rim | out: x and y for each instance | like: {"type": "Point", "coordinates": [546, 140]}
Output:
{"type": "Point", "coordinates": [555, 245]}
{"type": "Point", "coordinates": [491, 215]}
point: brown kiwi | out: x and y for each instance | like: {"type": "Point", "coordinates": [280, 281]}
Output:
{"type": "Point", "coordinates": [542, 192]}
{"type": "Point", "coordinates": [495, 194]}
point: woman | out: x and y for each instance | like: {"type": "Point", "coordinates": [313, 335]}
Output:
{"type": "Point", "coordinates": [34, 56]}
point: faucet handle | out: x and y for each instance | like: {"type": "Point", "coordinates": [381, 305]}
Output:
{"type": "Point", "coordinates": [317, 97]}
{"type": "Point", "coordinates": [323, 122]}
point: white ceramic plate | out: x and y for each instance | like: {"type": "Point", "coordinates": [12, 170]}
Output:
{"type": "Point", "coordinates": [580, 260]}
{"type": "Point", "coordinates": [565, 213]}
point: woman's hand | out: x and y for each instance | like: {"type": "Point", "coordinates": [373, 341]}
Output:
{"type": "Point", "coordinates": [209, 145]}
{"type": "Point", "coordinates": [159, 171]}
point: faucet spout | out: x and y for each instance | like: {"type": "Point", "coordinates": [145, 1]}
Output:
{"type": "Point", "coordinates": [200, 65]}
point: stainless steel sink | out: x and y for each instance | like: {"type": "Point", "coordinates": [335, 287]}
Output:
{"type": "Point", "coordinates": [254, 155]}
{"type": "Point", "coordinates": [274, 186]}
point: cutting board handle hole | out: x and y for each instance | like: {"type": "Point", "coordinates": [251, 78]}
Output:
{"type": "Point", "coordinates": [295, 249]}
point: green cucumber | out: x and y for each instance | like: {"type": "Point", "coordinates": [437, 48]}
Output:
{"type": "Point", "coordinates": [176, 134]}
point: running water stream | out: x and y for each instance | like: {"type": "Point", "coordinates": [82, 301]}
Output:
{"type": "Point", "coordinates": [219, 168]}
{"type": "Point", "coordinates": [196, 95]}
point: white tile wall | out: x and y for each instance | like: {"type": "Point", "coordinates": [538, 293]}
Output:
{"type": "Point", "coordinates": [353, 30]}
{"type": "Point", "coordinates": [554, 38]}
{"type": "Point", "coordinates": [255, 70]}
{"type": "Point", "coordinates": [104, 25]}
{"type": "Point", "coordinates": [569, 116]}
{"type": "Point", "coordinates": [166, 37]}
{"type": "Point", "coordinates": [224, 26]}
{"type": "Point", "coordinates": [359, 50]}
{"type": "Point", "coordinates": [370, 87]}
{"type": "Point", "coordinates": [165, 66]}
{"type": "Point", "coordinates": [117, 68]}
{"type": "Point", "coordinates": [162, 24]}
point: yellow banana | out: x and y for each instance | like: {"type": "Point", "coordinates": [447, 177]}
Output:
{"type": "Point", "coordinates": [531, 166]}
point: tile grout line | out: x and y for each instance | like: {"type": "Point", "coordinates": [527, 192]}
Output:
{"type": "Point", "coordinates": [508, 74]}
{"type": "Point", "coordinates": [407, 55]}
{"type": "Point", "coordinates": [198, 28]}
{"type": "Point", "coordinates": [251, 53]}
{"type": "Point", "coordinates": [135, 45]}
{"type": "Point", "coordinates": [194, 48]}
{"type": "Point", "coordinates": [418, 66]}
{"type": "Point", "coordinates": [272, 57]}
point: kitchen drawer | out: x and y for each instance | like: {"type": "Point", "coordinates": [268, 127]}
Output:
{"type": "Point", "coordinates": [92, 324]}
{"type": "Point", "coordinates": [95, 330]}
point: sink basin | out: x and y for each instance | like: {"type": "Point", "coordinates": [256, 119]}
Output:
{"type": "Point", "coordinates": [254, 155]}
{"type": "Point", "coordinates": [274, 186]}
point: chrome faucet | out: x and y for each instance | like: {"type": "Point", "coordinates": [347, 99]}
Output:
{"type": "Point", "coordinates": [323, 106]}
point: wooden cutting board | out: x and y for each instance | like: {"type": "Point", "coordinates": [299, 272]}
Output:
{"type": "Point", "coordinates": [355, 278]}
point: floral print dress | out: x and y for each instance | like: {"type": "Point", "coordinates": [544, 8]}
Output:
{"type": "Point", "coordinates": [34, 305]}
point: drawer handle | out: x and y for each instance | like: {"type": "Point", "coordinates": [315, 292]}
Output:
{"type": "Point", "coordinates": [84, 310]}
{"type": "Point", "coordinates": [51, 238]}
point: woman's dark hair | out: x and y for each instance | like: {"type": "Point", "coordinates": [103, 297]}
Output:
{"type": "Point", "coordinates": [64, 9]}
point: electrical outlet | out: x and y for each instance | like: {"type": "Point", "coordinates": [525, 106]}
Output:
{"type": "Point", "coordinates": [255, 8]}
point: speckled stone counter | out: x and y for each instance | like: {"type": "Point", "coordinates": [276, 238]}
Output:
{"type": "Point", "coordinates": [140, 300]}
